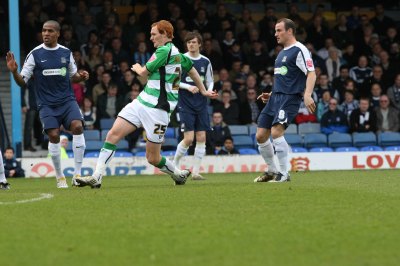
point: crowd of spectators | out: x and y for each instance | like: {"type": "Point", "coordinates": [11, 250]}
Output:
{"type": "Point", "coordinates": [356, 57]}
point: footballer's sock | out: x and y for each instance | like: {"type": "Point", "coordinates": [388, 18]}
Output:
{"type": "Point", "coordinates": [78, 147]}
{"type": "Point", "coordinates": [180, 152]}
{"type": "Point", "coordinates": [105, 156]}
{"type": "Point", "coordinates": [267, 152]}
{"type": "Point", "coordinates": [55, 154]}
{"type": "Point", "coordinates": [168, 167]}
{"type": "Point", "coordinates": [199, 152]}
{"type": "Point", "coordinates": [282, 150]}
{"type": "Point", "coordinates": [2, 174]}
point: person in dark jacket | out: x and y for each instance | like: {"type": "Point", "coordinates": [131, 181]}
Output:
{"type": "Point", "coordinates": [216, 136]}
{"type": "Point", "coordinates": [229, 147]}
{"type": "Point", "coordinates": [363, 119]}
{"type": "Point", "coordinates": [334, 120]}
{"type": "Point", "coordinates": [12, 168]}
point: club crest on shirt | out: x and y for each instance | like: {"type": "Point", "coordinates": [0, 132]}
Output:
{"type": "Point", "coordinates": [309, 63]}
{"type": "Point", "coordinates": [284, 58]}
{"type": "Point", "coordinates": [63, 60]}
{"type": "Point", "coordinates": [152, 58]}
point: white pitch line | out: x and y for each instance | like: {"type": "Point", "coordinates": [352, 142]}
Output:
{"type": "Point", "coordinates": [42, 196]}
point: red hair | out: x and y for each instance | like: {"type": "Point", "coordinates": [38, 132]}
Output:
{"type": "Point", "coordinates": [164, 27]}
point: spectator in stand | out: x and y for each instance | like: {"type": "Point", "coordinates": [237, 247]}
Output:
{"type": "Point", "coordinates": [215, 137]}
{"type": "Point", "coordinates": [229, 147]}
{"type": "Point", "coordinates": [324, 85]}
{"type": "Point", "coordinates": [349, 104]}
{"type": "Point", "coordinates": [109, 65]}
{"type": "Point", "coordinates": [29, 30]}
{"type": "Point", "coordinates": [341, 34]}
{"type": "Point", "coordinates": [119, 54]}
{"type": "Point", "coordinates": [339, 82]}
{"type": "Point", "coordinates": [318, 61]}
{"type": "Point", "coordinates": [390, 38]}
{"type": "Point", "coordinates": [333, 63]}
{"type": "Point", "coordinates": [363, 38]}
{"type": "Point", "coordinates": [257, 58]}
{"type": "Point", "coordinates": [304, 116]}
{"type": "Point", "coordinates": [334, 120]}
{"type": "Point", "coordinates": [324, 51]}
{"type": "Point", "coordinates": [376, 92]}
{"type": "Point", "coordinates": [234, 53]}
{"type": "Point", "coordinates": [381, 22]}
{"type": "Point", "coordinates": [229, 108]}
{"type": "Point", "coordinates": [317, 32]}
{"type": "Point", "coordinates": [267, 27]}
{"type": "Point", "coordinates": [214, 56]}
{"type": "Point", "coordinates": [89, 113]}
{"type": "Point", "coordinates": [241, 77]}
{"type": "Point", "coordinates": [251, 83]}
{"type": "Point", "coordinates": [141, 55]}
{"type": "Point", "coordinates": [201, 22]}
{"type": "Point", "coordinates": [92, 40]}
{"type": "Point", "coordinates": [323, 104]}
{"type": "Point", "coordinates": [376, 78]}
{"type": "Point", "coordinates": [94, 57]}
{"type": "Point", "coordinates": [129, 32]}
{"type": "Point", "coordinates": [223, 77]}
{"type": "Point", "coordinates": [351, 86]}
{"type": "Point", "coordinates": [12, 168]}
{"type": "Point", "coordinates": [79, 89]}
{"type": "Point", "coordinates": [105, 13]}
{"type": "Point", "coordinates": [101, 87]}
{"type": "Point", "coordinates": [125, 85]}
{"type": "Point", "coordinates": [131, 95]}
{"type": "Point", "coordinates": [388, 118]}
{"type": "Point", "coordinates": [363, 119]}
{"type": "Point", "coordinates": [109, 104]}
{"type": "Point", "coordinates": [362, 71]}
{"type": "Point", "coordinates": [266, 82]}
{"type": "Point", "coordinates": [222, 16]}
{"type": "Point", "coordinates": [243, 20]}
{"type": "Point", "coordinates": [68, 39]}
{"type": "Point", "coordinates": [354, 19]}
{"type": "Point", "coordinates": [94, 79]}
{"type": "Point", "coordinates": [394, 93]}
{"type": "Point", "coordinates": [84, 29]}
{"type": "Point", "coordinates": [234, 72]}
{"type": "Point", "coordinates": [80, 61]}
{"type": "Point", "coordinates": [390, 68]}
{"type": "Point", "coordinates": [349, 56]}
{"type": "Point", "coordinates": [251, 108]}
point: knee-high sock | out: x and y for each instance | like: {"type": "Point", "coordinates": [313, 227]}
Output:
{"type": "Point", "coordinates": [105, 157]}
{"type": "Point", "coordinates": [55, 154]}
{"type": "Point", "coordinates": [168, 167]}
{"type": "Point", "coordinates": [267, 152]}
{"type": "Point", "coordinates": [2, 174]}
{"type": "Point", "coordinates": [199, 152]}
{"type": "Point", "coordinates": [78, 147]}
{"type": "Point", "coordinates": [180, 152]}
{"type": "Point", "coordinates": [282, 150]}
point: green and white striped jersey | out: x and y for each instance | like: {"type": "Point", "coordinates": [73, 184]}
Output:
{"type": "Point", "coordinates": [165, 67]}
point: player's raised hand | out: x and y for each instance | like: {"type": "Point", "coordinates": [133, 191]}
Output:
{"type": "Point", "coordinates": [309, 103]}
{"type": "Point", "coordinates": [84, 74]}
{"type": "Point", "coordinates": [264, 96]}
{"type": "Point", "coordinates": [193, 89]}
{"type": "Point", "coordinates": [11, 63]}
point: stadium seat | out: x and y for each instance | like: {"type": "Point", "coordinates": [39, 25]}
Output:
{"type": "Point", "coordinates": [389, 139]}
{"type": "Point", "coordinates": [170, 144]}
{"type": "Point", "coordinates": [247, 151]}
{"type": "Point", "coordinates": [252, 129]}
{"type": "Point", "coordinates": [170, 133]}
{"type": "Point", "coordinates": [239, 130]}
{"type": "Point", "coordinates": [93, 154]}
{"type": "Point", "coordinates": [294, 140]}
{"type": "Point", "coordinates": [292, 129]}
{"type": "Point", "coordinates": [313, 140]}
{"type": "Point", "coordinates": [123, 154]}
{"type": "Point", "coordinates": [106, 123]}
{"type": "Point", "coordinates": [336, 140]}
{"type": "Point", "coordinates": [298, 149]}
{"type": "Point", "coordinates": [371, 148]}
{"type": "Point", "coordinates": [346, 149]}
{"type": "Point", "coordinates": [92, 134]}
{"type": "Point", "coordinates": [94, 145]}
{"type": "Point", "coordinates": [321, 149]}
{"type": "Point", "coordinates": [140, 153]}
{"type": "Point", "coordinates": [392, 148]}
{"type": "Point", "coordinates": [243, 142]}
{"type": "Point", "coordinates": [70, 154]}
{"type": "Point", "coordinates": [123, 145]}
{"type": "Point", "coordinates": [104, 133]}
{"type": "Point", "coordinates": [168, 153]}
{"type": "Point", "coordinates": [364, 139]}
{"type": "Point", "coordinates": [306, 128]}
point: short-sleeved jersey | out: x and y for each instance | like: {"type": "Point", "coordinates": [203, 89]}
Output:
{"type": "Point", "coordinates": [165, 67]}
{"type": "Point", "coordinates": [195, 103]}
{"type": "Point", "coordinates": [52, 69]}
{"type": "Point", "coordinates": [291, 67]}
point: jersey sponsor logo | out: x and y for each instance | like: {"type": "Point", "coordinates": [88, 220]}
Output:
{"type": "Point", "coordinates": [281, 70]}
{"type": "Point", "coordinates": [309, 63]}
{"type": "Point", "coordinates": [152, 58]}
{"type": "Point", "coordinates": [55, 72]}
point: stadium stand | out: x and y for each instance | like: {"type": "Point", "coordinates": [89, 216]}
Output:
{"type": "Point", "coordinates": [93, 134]}
{"type": "Point", "coordinates": [247, 151]}
{"type": "Point", "coordinates": [321, 149]}
{"type": "Point", "coordinates": [242, 141]}
{"type": "Point", "coordinates": [346, 149]}
{"type": "Point", "coordinates": [364, 139]}
{"type": "Point", "coordinates": [306, 128]}
{"type": "Point", "coordinates": [313, 140]}
{"type": "Point", "coordinates": [237, 130]}
{"type": "Point", "coordinates": [371, 148]}
{"type": "Point", "coordinates": [336, 140]}
{"type": "Point", "coordinates": [106, 123]}
{"type": "Point", "coordinates": [294, 140]}
{"type": "Point", "coordinates": [389, 139]}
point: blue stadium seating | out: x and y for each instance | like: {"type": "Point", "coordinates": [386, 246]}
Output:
{"type": "Point", "coordinates": [305, 128]}
{"type": "Point", "coordinates": [364, 139]}
{"type": "Point", "coordinates": [170, 133]}
{"type": "Point", "coordinates": [243, 142]}
{"type": "Point", "coordinates": [371, 148]}
{"type": "Point", "coordinates": [104, 133]}
{"type": "Point", "coordinates": [294, 140]}
{"type": "Point", "coordinates": [140, 153]}
{"type": "Point", "coordinates": [340, 140]}
{"type": "Point", "coordinates": [239, 130]}
{"type": "Point", "coordinates": [321, 149]}
{"type": "Point", "coordinates": [123, 154]}
{"type": "Point", "coordinates": [93, 154]}
{"type": "Point", "coordinates": [70, 154]}
{"type": "Point", "coordinates": [252, 129]}
{"type": "Point", "coordinates": [123, 145]}
{"type": "Point", "coordinates": [389, 139]}
{"type": "Point", "coordinates": [298, 149]}
{"type": "Point", "coordinates": [106, 123]}
{"type": "Point", "coordinates": [92, 134]}
{"type": "Point", "coordinates": [246, 151]}
{"type": "Point", "coordinates": [346, 149]}
{"type": "Point", "coordinates": [392, 148]}
{"type": "Point", "coordinates": [292, 129]}
{"type": "Point", "coordinates": [170, 144]}
{"type": "Point", "coordinates": [94, 145]}
{"type": "Point", "coordinates": [313, 140]}
{"type": "Point", "coordinates": [168, 153]}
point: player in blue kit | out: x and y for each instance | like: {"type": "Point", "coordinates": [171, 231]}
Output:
{"type": "Point", "coordinates": [52, 67]}
{"type": "Point", "coordinates": [192, 105]}
{"type": "Point", "coordinates": [294, 77]}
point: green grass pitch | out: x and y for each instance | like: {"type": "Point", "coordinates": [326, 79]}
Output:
{"type": "Point", "coordinates": [320, 218]}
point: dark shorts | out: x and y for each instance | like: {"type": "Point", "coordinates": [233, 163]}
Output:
{"type": "Point", "coordinates": [194, 122]}
{"type": "Point", "coordinates": [281, 108]}
{"type": "Point", "coordinates": [55, 116]}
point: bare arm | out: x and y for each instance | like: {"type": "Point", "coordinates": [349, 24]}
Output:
{"type": "Point", "coordinates": [140, 70]}
{"type": "Point", "coordinates": [80, 76]}
{"type": "Point", "coordinates": [13, 67]}
{"type": "Point", "coordinates": [310, 83]}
